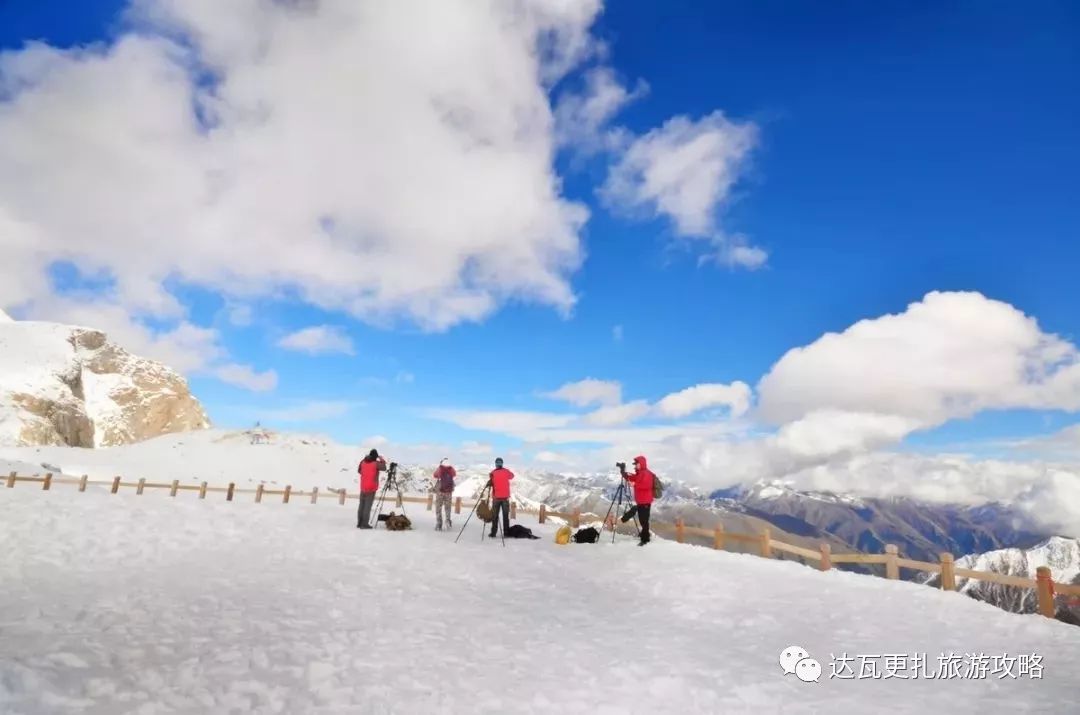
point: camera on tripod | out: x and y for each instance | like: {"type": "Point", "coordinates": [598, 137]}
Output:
{"type": "Point", "coordinates": [621, 466]}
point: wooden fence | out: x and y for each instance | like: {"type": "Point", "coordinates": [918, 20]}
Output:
{"type": "Point", "coordinates": [823, 557]}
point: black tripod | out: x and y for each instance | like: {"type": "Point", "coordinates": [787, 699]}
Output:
{"type": "Point", "coordinates": [620, 496]}
{"type": "Point", "coordinates": [391, 481]}
{"type": "Point", "coordinates": [483, 531]}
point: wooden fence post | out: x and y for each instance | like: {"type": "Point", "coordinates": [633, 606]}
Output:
{"type": "Point", "coordinates": [142, 484]}
{"type": "Point", "coordinates": [1044, 585]}
{"type": "Point", "coordinates": [543, 513]}
{"type": "Point", "coordinates": [457, 505]}
{"type": "Point", "coordinates": [430, 501]}
{"type": "Point", "coordinates": [341, 497]}
{"type": "Point", "coordinates": [229, 494]}
{"type": "Point", "coordinates": [680, 530]}
{"type": "Point", "coordinates": [826, 557]}
{"type": "Point", "coordinates": [718, 537]}
{"type": "Point", "coordinates": [314, 494]}
{"type": "Point", "coordinates": [513, 510]}
{"type": "Point", "coordinates": [11, 480]}
{"type": "Point", "coordinates": [948, 573]}
{"type": "Point", "coordinates": [577, 517]}
{"type": "Point", "coordinates": [288, 491]}
{"type": "Point", "coordinates": [47, 483]}
{"type": "Point", "coordinates": [892, 568]}
{"type": "Point", "coordinates": [174, 488]}
{"type": "Point", "coordinates": [202, 490]}
{"type": "Point", "coordinates": [258, 494]}
{"type": "Point", "coordinates": [115, 485]}
{"type": "Point", "coordinates": [82, 483]}
{"type": "Point", "coordinates": [766, 547]}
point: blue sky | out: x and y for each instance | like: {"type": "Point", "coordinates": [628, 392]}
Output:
{"type": "Point", "coordinates": [901, 148]}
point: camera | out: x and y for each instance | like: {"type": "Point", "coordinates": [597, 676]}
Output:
{"type": "Point", "coordinates": [621, 466]}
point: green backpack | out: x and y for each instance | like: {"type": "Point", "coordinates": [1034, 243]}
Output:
{"type": "Point", "coordinates": [657, 487]}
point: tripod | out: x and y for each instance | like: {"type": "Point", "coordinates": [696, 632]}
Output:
{"type": "Point", "coordinates": [391, 480]}
{"type": "Point", "coordinates": [483, 531]}
{"type": "Point", "coordinates": [620, 496]}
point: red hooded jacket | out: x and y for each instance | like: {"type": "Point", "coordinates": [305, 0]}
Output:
{"type": "Point", "coordinates": [369, 474]}
{"type": "Point", "coordinates": [500, 483]}
{"type": "Point", "coordinates": [642, 480]}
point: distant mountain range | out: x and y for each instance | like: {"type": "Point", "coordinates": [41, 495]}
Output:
{"type": "Point", "coordinates": [921, 530]}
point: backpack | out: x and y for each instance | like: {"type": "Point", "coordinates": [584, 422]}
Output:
{"type": "Point", "coordinates": [657, 487]}
{"type": "Point", "coordinates": [398, 522]}
{"type": "Point", "coordinates": [446, 480]}
{"type": "Point", "coordinates": [517, 531]}
{"type": "Point", "coordinates": [587, 536]}
{"type": "Point", "coordinates": [562, 536]}
{"type": "Point", "coordinates": [483, 511]}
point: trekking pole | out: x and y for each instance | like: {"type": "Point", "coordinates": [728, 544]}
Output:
{"type": "Point", "coordinates": [471, 512]}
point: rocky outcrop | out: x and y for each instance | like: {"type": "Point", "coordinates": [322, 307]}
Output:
{"type": "Point", "coordinates": [65, 385]}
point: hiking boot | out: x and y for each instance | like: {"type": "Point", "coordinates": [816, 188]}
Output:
{"type": "Point", "coordinates": [492, 535]}
{"type": "Point", "coordinates": [438, 527]}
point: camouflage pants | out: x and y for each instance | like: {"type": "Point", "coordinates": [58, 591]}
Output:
{"type": "Point", "coordinates": [442, 503]}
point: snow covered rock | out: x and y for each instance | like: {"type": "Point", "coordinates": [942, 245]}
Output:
{"type": "Point", "coordinates": [68, 385]}
{"type": "Point", "coordinates": [1062, 555]}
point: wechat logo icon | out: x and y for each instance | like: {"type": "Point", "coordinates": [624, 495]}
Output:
{"type": "Point", "coordinates": [795, 660]}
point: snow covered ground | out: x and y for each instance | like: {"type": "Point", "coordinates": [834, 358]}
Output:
{"type": "Point", "coordinates": [149, 604]}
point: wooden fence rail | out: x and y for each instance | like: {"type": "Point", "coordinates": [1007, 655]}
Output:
{"type": "Point", "coordinates": [823, 557]}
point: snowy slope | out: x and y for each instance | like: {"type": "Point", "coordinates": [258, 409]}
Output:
{"type": "Point", "coordinates": [68, 385]}
{"type": "Point", "coordinates": [113, 604]}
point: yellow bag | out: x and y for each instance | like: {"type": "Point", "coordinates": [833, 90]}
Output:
{"type": "Point", "coordinates": [562, 536]}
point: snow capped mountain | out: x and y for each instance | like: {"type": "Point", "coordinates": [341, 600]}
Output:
{"type": "Point", "coordinates": [921, 530]}
{"type": "Point", "coordinates": [69, 385]}
{"type": "Point", "coordinates": [1061, 554]}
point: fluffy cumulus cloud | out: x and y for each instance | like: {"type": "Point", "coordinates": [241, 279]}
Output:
{"type": "Point", "coordinates": [318, 340]}
{"type": "Point", "coordinates": [947, 356]}
{"type": "Point", "coordinates": [685, 171]}
{"type": "Point", "coordinates": [384, 159]}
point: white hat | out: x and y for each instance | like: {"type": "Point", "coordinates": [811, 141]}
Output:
{"type": "Point", "coordinates": [445, 462]}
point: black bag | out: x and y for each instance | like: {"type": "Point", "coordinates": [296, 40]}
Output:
{"type": "Point", "coordinates": [630, 514]}
{"type": "Point", "coordinates": [517, 531]}
{"type": "Point", "coordinates": [587, 536]}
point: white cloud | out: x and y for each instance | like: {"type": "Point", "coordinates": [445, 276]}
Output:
{"type": "Point", "coordinates": [247, 186]}
{"type": "Point", "coordinates": [581, 118]}
{"type": "Point", "coordinates": [314, 411]}
{"type": "Point", "coordinates": [244, 376]}
{"type": "Point", "coordinates": [617, 333]}
{"type": "Point", "coordinates": [318, 340]}
{"type": "Point", "coordinates": [685, 170]}
{"type": "Point", "coordinates": [405, 377]}
{"type": "Point", "coordinates": [240, 315]}
{"type": "Point", "coordinates": [613, 415]}
{"type": "Point", "coordinates": [588, 392]}
{"type": "Point", "coordinates": [947, 356]}
{"type": "Point", "coordinates": [735, 396]}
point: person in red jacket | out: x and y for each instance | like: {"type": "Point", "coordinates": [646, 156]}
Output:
{"type": "Point", "coordinates": [642, 479]}
{"type": "Point", "coordinates": [499, 481]}
{"type": "Point", "coordinates": [369, 470]}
